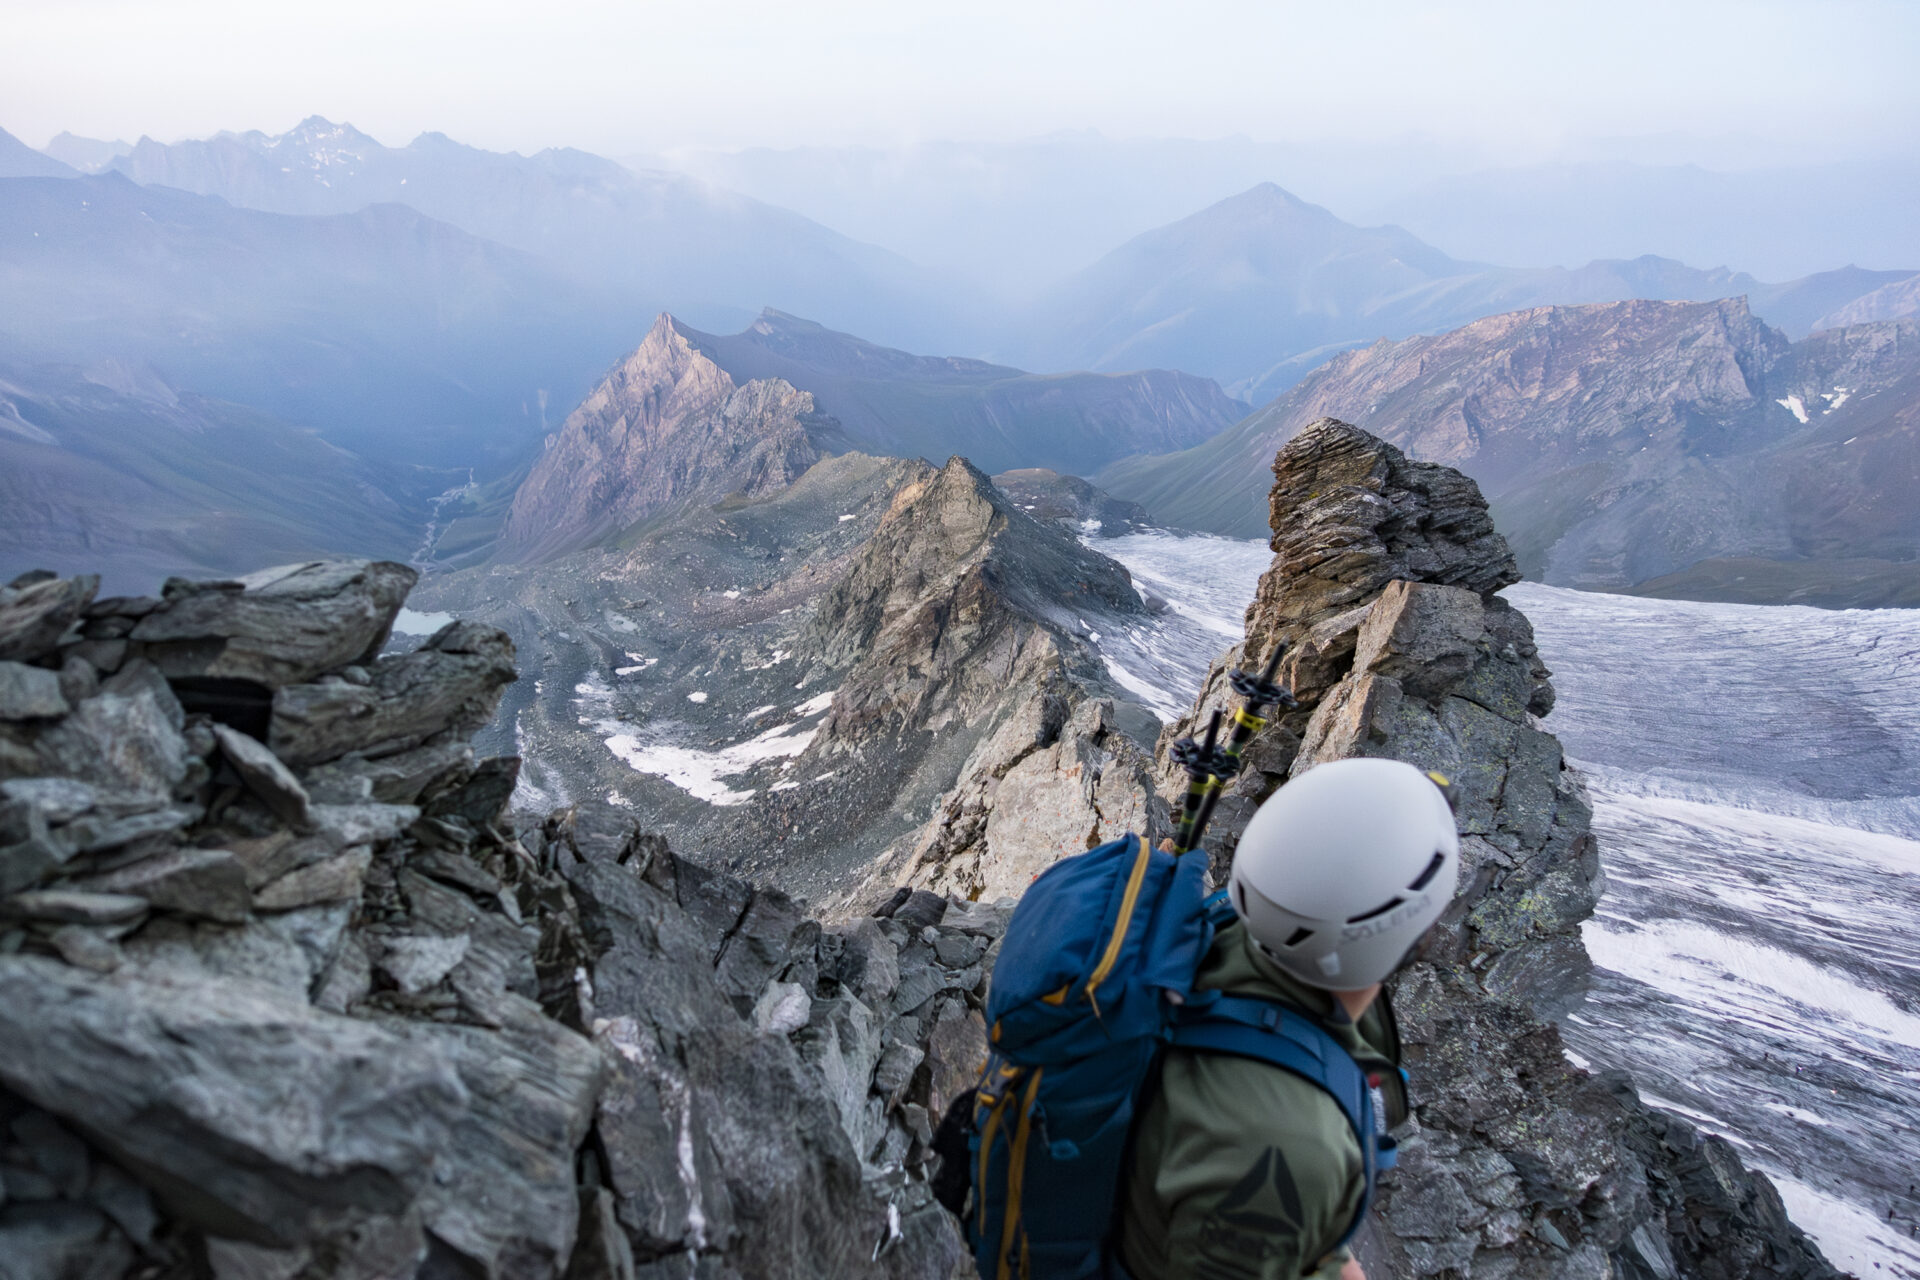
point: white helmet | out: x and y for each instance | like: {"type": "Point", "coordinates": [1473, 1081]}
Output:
{"type": "Point", "coordinates": [1343, 870]}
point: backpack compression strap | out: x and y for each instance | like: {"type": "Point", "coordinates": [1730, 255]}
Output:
{"type": "Point", "coordinates": [1281, 1037]}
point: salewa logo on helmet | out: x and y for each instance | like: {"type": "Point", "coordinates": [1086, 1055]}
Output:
{"type": "Point", "coordinates": [1387, 922]}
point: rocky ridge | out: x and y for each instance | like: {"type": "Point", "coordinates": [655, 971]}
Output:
{"type": "Point", "coordinates": [666, 426]}
{"type": "Point", "coordinates": [306, 1000]}
{"type": "Point", "coordinates": [959, 645]}
{"type": "Point", "coordinates": [1384, 588]}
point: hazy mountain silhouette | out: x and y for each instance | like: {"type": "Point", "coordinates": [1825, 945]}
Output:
{"type": "Point", "coordinates": [18, 160]}
{"type": "Point", "coordinates": [672, 241]}
{"type": "Point", "coordinates": [111, 470]}
{"type": "Point", "coordinates": [1776, 221]}
{"type": "Point", "coordinates": [397, 336]}
{"type": "Point", "coordinates": [88, 155]}
{"type": "Point", "coordinates": [1258, 289]}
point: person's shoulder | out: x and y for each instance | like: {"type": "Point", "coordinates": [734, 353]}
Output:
{"type": "Point", "coordinates": [1256, 1104]}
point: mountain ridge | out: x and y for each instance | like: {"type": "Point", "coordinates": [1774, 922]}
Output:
{"type": "Point", "coordinates": [675, 242]}
{"type": "Point", "coordinates": [396, 335]}
{"type": "Point", "coordinates": [997, 416]}
{"type": "Point", "coordinates": [1243, 289]}
{"type": "Point", "coordinates": [1618, 442]}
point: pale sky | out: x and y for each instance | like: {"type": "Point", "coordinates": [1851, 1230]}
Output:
{"type": "Point", "coordinates": [617, 78]}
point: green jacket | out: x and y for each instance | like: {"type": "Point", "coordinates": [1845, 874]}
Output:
{"type": "Point", "coordinates": [1242, 1169]}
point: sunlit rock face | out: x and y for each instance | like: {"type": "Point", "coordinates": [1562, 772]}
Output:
{"type": "Point", "coordinates": [666, 426]}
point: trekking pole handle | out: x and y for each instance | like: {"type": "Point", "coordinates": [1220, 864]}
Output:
{"type": "Point", "coordinates": [1208, 766]}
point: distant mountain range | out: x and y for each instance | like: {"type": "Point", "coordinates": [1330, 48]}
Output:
{"type": "Point", "coordinates": [1260, 288]}
{"type": "Point", "coordinates": [394, 335]}
{"type": "Point", "coordinates": [997, 417]}
{"type": "Point", "coordinates": [1660, 446]}
{"type": "Point", "coordinates": [668, 240]}
{"type": "Point", "coordinates": [1777, 221]}
{"type": "Point", "coordinates": [1022, 213]}
{"type": "Point", "coordinates": [437, 306]}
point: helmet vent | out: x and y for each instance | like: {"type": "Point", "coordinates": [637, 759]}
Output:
{"type": "Point", "coordinates": [1380, 910]}
{"type": "Point", "coordinates": [1298, 936]}
{"type": "Point", "coordinates": [1439, 860]}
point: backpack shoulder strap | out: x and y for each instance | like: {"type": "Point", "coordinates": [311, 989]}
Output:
{"type": "Point", "coordinates": [1270, 1032]}
{"type": "Point", "coordinates": [1287, 1038]}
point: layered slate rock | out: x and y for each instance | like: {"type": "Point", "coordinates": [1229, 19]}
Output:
{"type": "Point", "coordinates": [1384, 588]}
{"type": "Point", "coordinates": [666, 426]}
{"type": "Point", "coordinates": [304, 1000]}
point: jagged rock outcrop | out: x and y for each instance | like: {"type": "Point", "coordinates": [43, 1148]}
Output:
{"type": "Point", "coordinates": [666, 426]}
{"type": "Point", "coordinates": [310, 1003]}
{"type": "Point", "coordinates": [967, 672]}
{"type": "Point", "coordinates": [1518, 1164]}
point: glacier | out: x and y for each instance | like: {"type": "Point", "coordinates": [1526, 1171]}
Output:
{"type": "Point", "coordinates": [1755, 776]}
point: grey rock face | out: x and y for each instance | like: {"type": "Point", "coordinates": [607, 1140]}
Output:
{"type": "Point", "coordinates": [233, 1111]}
{"type": "Point", "coordinates": [452, 682]}
{"type": "Point", "coordinates": [312, 1006]}
{"type": "Point", "coordinates": [1518, 1164]}
{"type": "Point", "coordinates": [265, 776]}
{"type": "Point", "coordinates": [278, 626]}
{"type": "Point", "coordinates": [36, 612]}
{"type": "Point", "coordinates": [786, 1088]}
{"type": "Point", "coordinates": [30, 693]}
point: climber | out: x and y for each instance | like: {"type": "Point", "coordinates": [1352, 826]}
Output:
{"type": "Point", "coordinates": [1244, 1169]}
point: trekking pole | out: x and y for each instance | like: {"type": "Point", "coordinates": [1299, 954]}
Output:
{"type": "Point", "coordinates": [1209, 766]}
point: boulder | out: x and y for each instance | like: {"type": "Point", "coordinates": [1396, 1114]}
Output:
{"type": "Point", "coordinates": [210, 884]}
{"type": "Point", "coordinates": [30, 693]}
{"type": "Point", "coordinates": [279, 626]}
{"type": "Point", "coordinates": [452, 682]}
{"type": "Point", "coordinates": [128, 743]}
{"type": "Point", "coordinates": [254, 1116]}
{"type": "Point", "coordinates": [265, 776]}
{"type": "Point", "coordinates": [34, 615]}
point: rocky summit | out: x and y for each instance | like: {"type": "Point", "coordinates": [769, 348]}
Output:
{"type": "Point", "coordinates": [665, 426]}
{"type": "Point", "coordinates": [1384, 591]}
{"type": "Point", "coordinates": [296, 990]}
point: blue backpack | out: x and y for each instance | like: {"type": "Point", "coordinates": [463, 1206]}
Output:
{"type": "Point", "coordinates": [1095, 977]}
